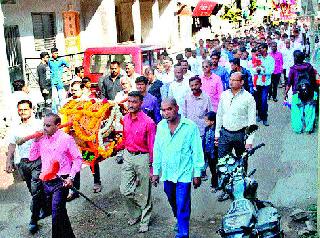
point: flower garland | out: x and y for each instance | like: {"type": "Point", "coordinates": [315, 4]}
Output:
{"type": "Point", "coordinates": [93, 122]}
{"type": "Point", "coordinates": [107, 126]}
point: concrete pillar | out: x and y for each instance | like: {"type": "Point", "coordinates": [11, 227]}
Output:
{"type": "Point", "coordinates": [108, 20]}
{"type": "Point", "coordinates": [5, 89]}
{"type": "Point", "coordinates": [155, 31]}
{"type": "Point", "coordinates": [155, 14]}
{"type": "Point", "coordinates": [175, 41]}
{"type": "Point", "coordinates": [136, 21]}
{"type": "Point", "coordinates": [186, 31]}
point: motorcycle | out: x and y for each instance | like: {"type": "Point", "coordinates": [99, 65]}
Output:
{"type": "Point", "coordinates": [247, 216]}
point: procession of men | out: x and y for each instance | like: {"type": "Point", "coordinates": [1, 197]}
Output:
{"type": "Point", "coordinates": [183, 114]}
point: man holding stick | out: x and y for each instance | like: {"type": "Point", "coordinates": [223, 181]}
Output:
{"type": "Point", "coordinates": [56, 145]}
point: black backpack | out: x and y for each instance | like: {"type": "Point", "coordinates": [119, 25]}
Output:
{"type": "Point", "coordinates": [304, 86]}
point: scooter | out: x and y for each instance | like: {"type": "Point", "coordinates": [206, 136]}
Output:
{"type": "Point", "coordinates": [247, 216]}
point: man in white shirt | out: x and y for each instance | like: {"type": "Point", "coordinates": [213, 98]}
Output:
{"type": "Point", "coordinates": [168, 74]}
{"type": "Point", "coordinates": [18, 154]}
{"type": "Point", "coordinates": [179, 88]}
{"type": "Point", "coordinates": [236, 111]}
{"type": "Point", "coordinates": [187, 74]}
{"type": "Point", "coordinates": [192, 61]}
{"type": "Point", "coordinates": [122, 96]}
{"type": "Point", "coordinates": [132, 75]}
{"type": "Point", "coordinates": [287, 53]}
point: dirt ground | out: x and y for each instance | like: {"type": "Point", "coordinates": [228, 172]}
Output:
{"type": "Point", "coordinates": [89, 222]}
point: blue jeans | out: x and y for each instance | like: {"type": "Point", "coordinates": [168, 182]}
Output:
{"type": "Point", "coordinates": [179, 197]}
{"type": "Point", "coordinates": [262, 102]}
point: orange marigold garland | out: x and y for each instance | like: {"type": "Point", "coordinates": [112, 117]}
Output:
{"type": "Point", "coordinates": [96, 124]}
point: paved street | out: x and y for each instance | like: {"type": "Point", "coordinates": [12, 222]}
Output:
{"type": "Point", "coordinates": [286, 172]}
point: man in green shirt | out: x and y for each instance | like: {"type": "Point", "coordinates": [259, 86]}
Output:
{"type": "Point", "coordinates": [179, 157]}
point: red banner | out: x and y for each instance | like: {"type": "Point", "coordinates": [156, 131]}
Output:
{"type": "Point", "coordinates": [204, 8]}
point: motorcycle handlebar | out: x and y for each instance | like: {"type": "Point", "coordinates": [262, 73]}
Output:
{"type": "Point", "coordinates": [251, 152]}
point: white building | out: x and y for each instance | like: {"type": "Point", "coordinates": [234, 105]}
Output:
{"type": "Point", "coordinates": [33, 26]}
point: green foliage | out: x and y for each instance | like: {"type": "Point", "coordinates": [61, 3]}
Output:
{"type": "Point", "coordinates": [232, 14]}
{"type": "Point", "coordinates": [88, 156]}
{"type": "Point", "coordinates": [252, 6]}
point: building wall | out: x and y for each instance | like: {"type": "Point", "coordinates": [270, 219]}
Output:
{"type": "Point", "coordinates": [100, 25]}
{"type": "Point", "coordinates": [125, 26]}
{"type": "Point", "coordinates": [20, 14]}
{"type": "Point", "coordinates": [146, 19]}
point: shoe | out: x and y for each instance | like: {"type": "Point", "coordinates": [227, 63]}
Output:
{"type": "Point", "coordinates": [33, 227]}
{"type": "Point", "coordinates": [259, 119]}
{"type": "Point", "coordinates": [72, 196]}
{"type": "Point", "coordinates": [204, 178]}
{"type": "Point", "coordinates": [97, 188]}
{"type": "Point", "coordinates": [143, 228]}
{"type": "Point", "coordinates": [133, 221]}
{"type": "Point", "coordinates": [213, 189]}
{"type": "Point", "coordinates": [222, 197]}
{"type": "Point", "coordinates": [43, 214]}
{"type": "Point", "coordinates": [275, 100]}
{"type": "Point", "coordinates": [176, 227]}
{"type": "Point", "coordinates": [265, 123]}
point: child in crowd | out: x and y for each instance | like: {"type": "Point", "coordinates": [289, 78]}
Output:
{"type": "Point", "coordinates": [209, 149]}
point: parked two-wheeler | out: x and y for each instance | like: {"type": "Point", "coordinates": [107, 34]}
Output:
{"type": "Point", "coordinates": [247, 216]}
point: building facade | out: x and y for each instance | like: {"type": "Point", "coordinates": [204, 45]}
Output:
{"type": "Point", "coordinates": [33, 26]}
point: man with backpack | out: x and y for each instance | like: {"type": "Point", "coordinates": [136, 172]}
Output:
{"type": "Point", "coordinates": [302, 79]}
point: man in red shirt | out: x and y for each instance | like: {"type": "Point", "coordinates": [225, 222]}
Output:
{"type": "Point", "coordinates": [138, 138]}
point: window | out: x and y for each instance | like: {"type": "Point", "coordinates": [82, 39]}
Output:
{"type": "Point", "coordinates": [8, 1]}
{"type": "Point", "coordinates": [99, 64]}
{"type": "Point", "coordinates": [44, 30]}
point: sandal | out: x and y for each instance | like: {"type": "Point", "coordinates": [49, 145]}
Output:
{"type": "Point", "coordinates": [97, 188]}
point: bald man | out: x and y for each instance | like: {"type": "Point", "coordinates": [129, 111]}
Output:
{"type": "Point", "coordinates": [236, 111]}
{"type": "Point", "coordinates": [178, 156]}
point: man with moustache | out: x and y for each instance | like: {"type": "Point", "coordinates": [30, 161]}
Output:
{"type": "Point", "coordinates": [110, 85]}
{"type": "Point", "coordinates": [18, 157]}
{"type": "Point", "coordinates": [236, 111]}
{"type": "Point", "coordinates": [179, 88]}
{"type": "Point", "coordinates": [178, 156]}
{"type": "Point", "coordinates": [138, 138]}
{"type": "Point", "coordinates": [56, 145]}
{"type": "Point", "coordinates": [219, 70]}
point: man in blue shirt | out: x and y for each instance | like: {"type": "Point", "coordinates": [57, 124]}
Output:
{"type": "Point", "coordinates": [179, 157]}
{"type": "Point", "coordinates": [150, 104]}
{"type": "Point", "coordinates": [219, 70]}
{"type": "Point", "coordinates": [246, 74]}
{"type": "Point", "coordinates": [264, 72]}
{"type": "Point", "coordinates": [56, 66]}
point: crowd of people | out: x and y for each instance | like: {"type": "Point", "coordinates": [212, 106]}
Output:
{"type": "Point", "coordinates": [182, 115]}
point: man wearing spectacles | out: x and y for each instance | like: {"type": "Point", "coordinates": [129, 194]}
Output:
{"type": "Point", "coordinates": [211, 84]}
{"type": "Point", "coordinates": [236, 111]}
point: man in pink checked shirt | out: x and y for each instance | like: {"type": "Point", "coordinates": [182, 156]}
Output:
{"type": "Point", "coordinates": [138, 138]}
{"type": "Point", "coordinates": [56, 145]}
{"type": "Point", "coordinates": [211, 84]}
